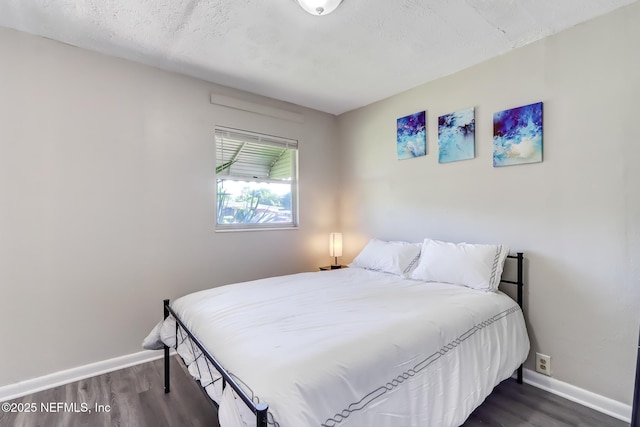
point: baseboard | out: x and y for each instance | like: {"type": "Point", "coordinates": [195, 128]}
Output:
{"type": "Point", "coordinates": [586, 398]}
{"type": "Point", "coordinates": [13, 391]}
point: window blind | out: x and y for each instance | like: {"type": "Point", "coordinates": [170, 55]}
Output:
{"type": "Point", "coordinates": [242, 154]}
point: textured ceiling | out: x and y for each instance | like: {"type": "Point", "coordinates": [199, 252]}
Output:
{"type": "Point", "coordinates": [365, 51]}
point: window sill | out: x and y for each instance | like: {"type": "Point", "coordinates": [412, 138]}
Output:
{"type": "Point", "coordinates": [233, 230]}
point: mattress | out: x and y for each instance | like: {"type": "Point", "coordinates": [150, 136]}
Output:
{"type": "Point", "coordinates": [351, 347]}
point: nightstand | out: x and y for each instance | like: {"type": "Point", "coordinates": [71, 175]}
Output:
{"type": "Point", "coordinates": [332, 267]}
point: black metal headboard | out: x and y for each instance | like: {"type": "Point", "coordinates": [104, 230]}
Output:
{"type": "Point", "coordinates": [519, 282]}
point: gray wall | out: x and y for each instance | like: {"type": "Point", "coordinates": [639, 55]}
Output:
{"type": "Point", "coordinates": [107, 202]}
{"type": "Point", "coordinates": [576, 215]}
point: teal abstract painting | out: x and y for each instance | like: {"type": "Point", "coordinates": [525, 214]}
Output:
{"type": "Point", "coordinates": [517, 135]}
{"type": "Point", "coordinates": [412, 136]}
{"type": "Point", "coordinates": [457, 136]}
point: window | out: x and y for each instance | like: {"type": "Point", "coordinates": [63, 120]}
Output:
{"type": "Point", "coordinates": [256, 180]}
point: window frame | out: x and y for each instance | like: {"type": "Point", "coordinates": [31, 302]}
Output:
{"type": "Point", "coordinates": [269, 140]}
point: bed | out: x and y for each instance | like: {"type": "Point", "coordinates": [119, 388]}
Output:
{"type": "Point", "coordinates": [349, 347]}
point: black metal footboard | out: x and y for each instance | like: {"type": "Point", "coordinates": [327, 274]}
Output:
{"type": "Point", "coordinates": [519, 282]}
{"type": "Point", "coordinates": [259, 409]}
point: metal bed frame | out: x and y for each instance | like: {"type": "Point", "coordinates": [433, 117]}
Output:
{"type": "Point", "coordinates": [260, 409]}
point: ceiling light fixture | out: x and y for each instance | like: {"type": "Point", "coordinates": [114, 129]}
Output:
{"type": "Point", "coordinates": [319, 7]}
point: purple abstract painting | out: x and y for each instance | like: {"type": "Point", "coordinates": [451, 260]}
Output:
{"type": "Point", "coordinates": [517, 135]}
{"type": "Point", "coordinates": [412, 136]}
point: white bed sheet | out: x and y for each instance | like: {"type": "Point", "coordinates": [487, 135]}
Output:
{"type": "Point", "coordinates": [353, 347]}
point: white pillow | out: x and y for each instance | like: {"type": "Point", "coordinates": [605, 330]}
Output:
{"type": "Point", "coordinates": [397, 258]}
{"type": "Point", "coordinates": [474, 266]}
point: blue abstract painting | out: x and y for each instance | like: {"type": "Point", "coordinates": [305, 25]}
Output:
{"type": "Point", "coordinates": [412, 136]}
{"type": "Point", "coordinates": [517, 135]}
{"type": "Point", "coordinates": [457, 136]}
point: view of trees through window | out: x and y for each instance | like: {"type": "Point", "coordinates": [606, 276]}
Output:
{"type": "Point", "coordinates": [253, 202]}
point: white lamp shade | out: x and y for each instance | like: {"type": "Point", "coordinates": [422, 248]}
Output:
{"type": "Point", "coordinates": [335, 244]}
{"type": "Point", "coordinates": [319, 7]}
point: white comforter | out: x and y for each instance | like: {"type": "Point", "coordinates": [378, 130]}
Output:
{"type": "Point", "coordinates": [353, 347]}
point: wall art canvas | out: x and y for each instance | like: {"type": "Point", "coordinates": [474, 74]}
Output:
{"type": "Point", "coordinates": [457, 136]}
{"type": "Point", "coordinates": [517, 135]}
{"type": "Point", "coordinates": [412, 136]}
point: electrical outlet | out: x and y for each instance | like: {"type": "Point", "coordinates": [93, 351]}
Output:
{"type": "Point", "coordinates": [543, 364]}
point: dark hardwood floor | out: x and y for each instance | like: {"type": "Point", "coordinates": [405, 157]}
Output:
{"type": "Point", "coordinates": [134, 397]}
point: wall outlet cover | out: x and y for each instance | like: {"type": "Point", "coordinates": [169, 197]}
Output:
{"type": "Point", "coordinates": [543, 364]}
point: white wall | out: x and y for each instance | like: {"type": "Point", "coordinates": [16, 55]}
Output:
{"type": "Point", "coordinates": [107, 202]}
{"type": "Point", "coordinates": [576, 215]}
